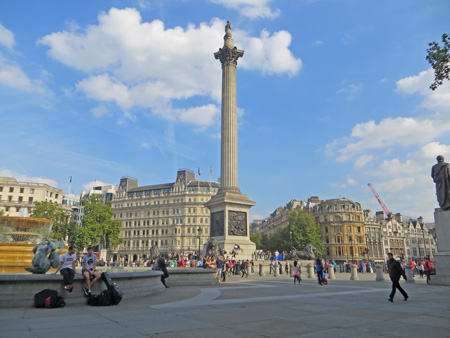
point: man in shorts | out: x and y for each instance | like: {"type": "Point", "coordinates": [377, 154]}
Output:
{"type": "Point", "coordinates": [91, 275]}
{"type": "Point", "coordinates": [67, 268]}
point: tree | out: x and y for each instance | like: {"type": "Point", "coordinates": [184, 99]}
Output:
{"type": "Point", "coordinates": [256, 238]}
{"type": "Point", "coordinates": [98, 226]}
{"type": "Point", "coordinates": [304, 231]}
{"type": "Point", "coordinates": [2, 213]}
{"type": "Point", "coordinates": [439, 58]}
{"type": "Point", "coordinates": [55, 213]}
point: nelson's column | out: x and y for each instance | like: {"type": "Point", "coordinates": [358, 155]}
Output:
{"type": "Point", "coordinates": [229, 208]}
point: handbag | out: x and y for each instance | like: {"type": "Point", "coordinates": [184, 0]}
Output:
{"type": "Point", "coordinates": [432, 271]}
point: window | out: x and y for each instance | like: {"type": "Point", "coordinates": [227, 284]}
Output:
{"type": "Point", "coordinates": [22, 190]}
{"type": "Point", "coordinates": [31, 190]}
{"type": "Point", "coordinates": [9, 198]}
{"type": "Point", "coordinates": [326, 230]}
{"type": "Point", "coordinates": [20, 198]}
{"type": "Point", "coordinates": [11, 189]}
{"type": "Point", "coordinates": [1, 188]}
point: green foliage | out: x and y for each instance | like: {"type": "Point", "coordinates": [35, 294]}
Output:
{"type": "Point", "coordinates": [2, 213]}
{"type": "Point", "coordinates": [97, 227]}
{"type": "Point", "coordinates": [305, 231]}
{"type": "Point", "coordinates": [55, 213]}
{"type": "Point", "coordinates": [439, 58]}
{"type": "Point", "coordinates": [256, 238]}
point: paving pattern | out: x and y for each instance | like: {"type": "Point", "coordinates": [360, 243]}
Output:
{"type": "Point", "coordinates": [251, 307]}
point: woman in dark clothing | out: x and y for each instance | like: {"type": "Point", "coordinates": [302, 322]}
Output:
{"type": "Point", "coordinates": [319, 269]}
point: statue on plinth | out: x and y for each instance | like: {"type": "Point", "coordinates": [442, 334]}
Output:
{"type": "Point", "coordinates": [309, 253]}
{"type": "Point", "coordinates": [441, 176]}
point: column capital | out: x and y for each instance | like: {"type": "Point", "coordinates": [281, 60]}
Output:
{"type": "Point", "coordinates": [228, 56]}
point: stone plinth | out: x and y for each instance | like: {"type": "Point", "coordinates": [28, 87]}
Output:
{"type": "Point", "coordinates": [310, 270]}
{"type": "Point", "coordinates": [379, 272]}
{"type": "Point", "coordinates": [409, 274]}
{"type": "Point", "coordinates": [331, 272]}
{"type": "Point", "coordinates": [442, 257]}
{"type": "Point", "coordinates": [354, 273]}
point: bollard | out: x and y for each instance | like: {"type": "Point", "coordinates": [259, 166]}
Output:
{"type": "Point", "coordinates": [261, 269]}
{"type": "Point", "coordinates": [354, 273]}
{"type": "Point", "coordinates": [310, 270]}
{"type": "Point", "coordinates": [331, 272]}
{"type": "Point", "coordinates": [291, 268]}
{"type": "Point", "coordinates": [409, 274]}
{"type": "Point", "coordinates": [379, 272]}
{"type": "Point", "coordinates": [275, 270]}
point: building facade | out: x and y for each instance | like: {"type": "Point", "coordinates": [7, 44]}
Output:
{"type": "Point", "coordinates": [168, 216]}
{"type": "Point", "coordinates": [279, 218]}
{"type": "Point", "coordinates": [18, 198]}
{"type": "Point", "coordinates": [343, 233]}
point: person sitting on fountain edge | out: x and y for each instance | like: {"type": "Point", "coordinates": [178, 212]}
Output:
{"type": "Point", "coordinates": [89, 263]}
{"type": "Point", "coordinates": [67, 268]}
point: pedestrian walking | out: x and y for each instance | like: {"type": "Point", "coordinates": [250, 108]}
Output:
{"type": "Point", "coordinates": [319, 270]}
{"type": "Point", "coordinates": [429, 266]}
{"type": "Point", "coordinates": [395, 272]}
{"type": "Point", "coordinates": [296, 273]}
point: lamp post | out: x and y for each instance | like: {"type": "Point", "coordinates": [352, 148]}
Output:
{"type": "Point", "coordinates": [290, 235]}
{"type": "Point", "coordinates": [351, 247]}
{"type": "Point", "coordinates": [367, 248]}
{"type": "Point", "coordinates": [199, 235]}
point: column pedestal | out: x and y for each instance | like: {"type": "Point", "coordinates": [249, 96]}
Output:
{"type": "Point", "coordinates": [230, 223]}
{"type": "Point", "coordinates": [442, 257]}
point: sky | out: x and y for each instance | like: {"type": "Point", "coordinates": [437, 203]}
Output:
{"type": "Point", "coordinates": [331, 94]}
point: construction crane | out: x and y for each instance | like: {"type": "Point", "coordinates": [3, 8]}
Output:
{"type": "Point", "coordinates": [385, 209]}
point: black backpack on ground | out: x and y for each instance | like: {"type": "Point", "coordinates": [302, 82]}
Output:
{"type": "Point", "coordinates": [49, 299]}
{"type": "Point", "coordinates": [103, 299]}
{"type": "Point", "coordinates": [116, 293]}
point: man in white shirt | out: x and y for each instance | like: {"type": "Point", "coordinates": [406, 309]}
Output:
{"type": "Point", "coordinates": [67, 268]}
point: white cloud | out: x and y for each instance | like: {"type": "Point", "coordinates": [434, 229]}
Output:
{"type": "Point", "coordinates": [363, 160]}
{"type": "Point", "coordinates": [438, 100]}
{"type": "Point", "coordinates": [6, 37]}
{"type": "Point", "coordinates": [25, 178]}
{"type": "Point", "coordinates": [252, 9]}
{"type": "Point", "coordinates": [318, 43]}
{"type": "Point", "coordinates": [134, 63]}
{"type": "Point", "coordinates": [351, 91]}
{"type": "Point", "coordinates": [268, 53]}
{"type": "Point", "coordinates": [92, 184]}
{"type": "Point", "coordinates": [11, 75]}
{"type": "Point", "coordinates": [99, 111]}
{"type": "Point", "coordinates": [351, 181]}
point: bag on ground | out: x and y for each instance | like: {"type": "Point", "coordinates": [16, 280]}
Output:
{"type": "Point", "coordinates": [49, 299]}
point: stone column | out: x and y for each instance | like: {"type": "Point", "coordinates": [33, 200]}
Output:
{"type": "Point", "coordinates": [229, 208]}
{"type": "Point", "coordinates": [261, 270]}
{"type": "Point", "coordinates": [409, 274]}
{"type": "Point", "coordinates": [291, 269]}
{"type": "Point", "coordinates": [275, 270]}
{"type": "Point", "coordinates": [331, 272]}
{"type": "Point", "coordinates": [379, 271]}
{"type": "Point", "coordinates": [354, 273]}
{"type": "Point", "coordinates": [310, 270]}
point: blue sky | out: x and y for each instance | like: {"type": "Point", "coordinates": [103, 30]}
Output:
{"type": "Point", "coordinates": [331, 95]}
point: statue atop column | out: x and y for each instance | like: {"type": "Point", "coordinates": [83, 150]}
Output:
{"type": "Point", "coordinates": [441, 176]}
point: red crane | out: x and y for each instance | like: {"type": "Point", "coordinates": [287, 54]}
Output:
{"type": "Point", "coordinates": [385, 209]}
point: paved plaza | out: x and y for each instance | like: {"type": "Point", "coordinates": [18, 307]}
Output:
{"type": "Point", "coordinates": [251, 307]}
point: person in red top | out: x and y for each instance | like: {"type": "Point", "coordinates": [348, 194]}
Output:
{"type": "Point", "coordinates": [428, 267]}
{"type": "Point", "coordinates": [413, 267]}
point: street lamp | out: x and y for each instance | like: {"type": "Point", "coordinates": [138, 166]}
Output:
{"type": "Point", "coordinates": [290, 235]}
{"type": "Point", "coordinates": [367, 247]}
{"type": "Point", "coordinates": [351, 246]}
{"type": "Point", "coordinates": [199, 235]}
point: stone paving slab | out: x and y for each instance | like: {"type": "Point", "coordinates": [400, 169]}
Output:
{"type": "Point", "coordinates": [250, 307]}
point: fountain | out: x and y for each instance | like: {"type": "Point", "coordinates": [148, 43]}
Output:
{"type": "Point", "coordinates": [18, 237]}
